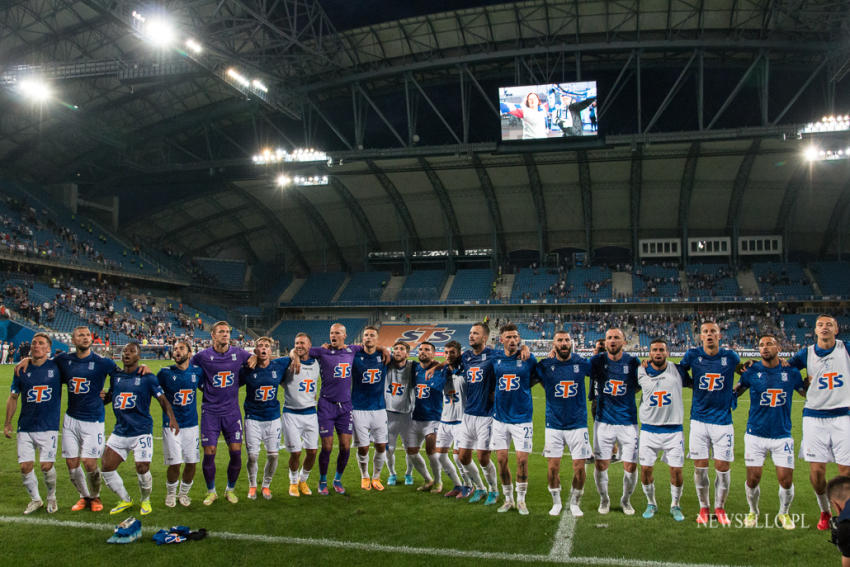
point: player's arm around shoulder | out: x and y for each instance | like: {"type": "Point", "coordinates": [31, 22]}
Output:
{"type": "Point", "coordinates": [11, 407]}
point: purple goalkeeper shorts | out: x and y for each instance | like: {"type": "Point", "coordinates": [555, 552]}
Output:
{"type": "Point", "coordinates": [334, 415]}
{"type": "Point", "coordinates": [213, 425]}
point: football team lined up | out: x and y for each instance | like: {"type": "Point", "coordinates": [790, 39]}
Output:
{"type": "Point", "coordinates": [477, 401]}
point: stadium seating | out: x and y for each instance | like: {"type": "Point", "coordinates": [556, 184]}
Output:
{"type": "Point", "coordinates": [471, 285]}
{"type": "Point", "coordinates": [532, 285]}
{"type": "Point", "coordinates": [782, 279]}
{"type": "Point", "coordinates": [656, 281]}
{"type": "Point", "coordinates": [833, 277]}
{"type": "Point", "coordinates": [711, 280]}
{"type": "Point", "coordinates": [319, 288]}
{"type": "Point", "coordinates": [365, 286]}
{"type": "Point", "coordinates": [286, 330]}
{"type": "Point", "coordinates": [229, 273]}
{"type": "Point", "coordinates": [422, 285]}
{"type": "Point", "coordinates": [593, 282]}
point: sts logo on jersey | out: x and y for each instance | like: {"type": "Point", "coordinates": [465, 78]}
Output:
{"type": "Point", "coordinates": [615, 388]}
{"type": "Point", "coordinates": [265, 393]}
{"type": "Point", "coordinates": [423, 391]}
{"type": "Point", "coordinates": [566, 389]}
{"type": "Point", "coordinates": [125, 401]}
{"type": "Point", "coordinates": [660, 398]}
{"type": "Point", "coordinates": [38, 394]}
{"type": "Point", "coordinates": [78, 385]}
{"type": "Point", "coordinates": [223, 379]}
{"type": "Point", "coordinates": [509, 382]}
{"type": "Point", "coordinates": [830, 381]}
{"type": "Point", "coordinates": [772, 397]}
{"type": "Point", "coordinates": [342, 370]}
{"type": "Point", "coordinates": [307, 385]}
{"type": "Point", "coordinates": [372, 376]}
{"type": "Point", "coordinates": [184, 397]}
{"type": "Point", "coordinates": [711, 382]}
{"type": "Point", "coordinates": [474, 375]}
{"type": "Point", "coordinates": [451, 397]}
{"type": "Point", "coordinates": [395, 389]}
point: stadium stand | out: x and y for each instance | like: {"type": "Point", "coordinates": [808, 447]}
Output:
{"type": "Point", "coordinates": [319, 288]}
{"type": "Point", "coordinates": [471, 285]}
{"type": "Point", "coordinates": [228, 273]}
{"type": "Point", "coordinates": [422, 285]}
{"type": "Point", "coordinates": [833, 277]}
{"type": "Point", "coordinates": [592, 282]}
{"type": "Point", "coordinates": [531, 284]}
{"type": "Point", "coordinates": [365, 286]}
{"type": "Point", "coordinates": [711, 280]}
{"type": "Point", "coordinates": [782, 279]}
{"type": "Point", "coordinates": [286, 330]}
{"type": "Point", "coordinates": [656, 280]}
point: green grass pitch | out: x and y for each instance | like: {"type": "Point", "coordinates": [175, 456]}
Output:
{"type": "Point", "coordinates": [401, 517]}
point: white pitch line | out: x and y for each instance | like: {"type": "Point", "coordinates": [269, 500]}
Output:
{"type": "Point", "coordinates": [373, 547]}
{"type": "Point", "coordinates": [562, 547]}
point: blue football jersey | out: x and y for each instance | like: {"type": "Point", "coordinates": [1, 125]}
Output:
{"type": "Point", "coordinates": [713, 378]}
{"type": "Point", "coordinates": [513, 403]}
{"type": "Point", "coordinates": [86, 379]}
{"type": "Point", "coordinates": [614, 385]}
{"type": "Point", "coordinates": [261, 385]}
{"type": "Point", "coordinates": [40, 391]}
{"type": "Point", "coordinates": [563, 383]}
{"type": "Point", "coordinates": [477, 371]}
{"type": "Point", "coordinates": [367, 381]}
{"type": "Point", "coordinates": [131, 402]}
{"type": "Point", "coordinates": [771, 392]}
{"type": "Point", "coordinates": [428, 394]}
{"type": "Point", "coordinates": [181, 389]}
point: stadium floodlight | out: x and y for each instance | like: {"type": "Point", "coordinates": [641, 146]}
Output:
{"type": "Point", "coordinates": [282, 180]}
{"type": "Point", "coordinates": [268, 156]}
{"type": "Point", "coordinates": [194, 46]}
{"type": "Point", "coordinates": [810, 153]}
{"type": "Point", "coordinates": [159, 32]}
{"type": "Point", "coordinates": [831, 123]}
{"type": "Point", "coordinates": [35, 89]}
{"type": "Point", "coordinates": [257, 84]}
{"type": "Point", "coordinates": [310, 181]}
{"type": "Point", "coordinates": [238, 77]}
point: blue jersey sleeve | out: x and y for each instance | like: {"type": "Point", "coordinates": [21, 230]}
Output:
{"type": "Point", "coordinates": [797, 381]}
{"type": "Point", "coordinates": [744, 382]}
{"type": "Point", "coordinates": [155, 388]}
{"type": "Point", "coordinates": [282, 365]}
{"type": "Point", "coordinates": [162, 377]}
{"type": "Point", "coordinates": [16, 384]}
{"type": "Point", "coordinates": [634, 364]}
{"type": "Point", "coordinates": [687, 380]}
{"type": "Point", "coordinates": [685, 363]}
{"type": "Point", "coordinates": [799, 360]}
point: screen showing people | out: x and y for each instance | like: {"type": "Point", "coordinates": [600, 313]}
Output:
{"type": "Point", "coordinates": [559, 110]}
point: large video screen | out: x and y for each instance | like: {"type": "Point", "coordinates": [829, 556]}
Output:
{"type": "Point", "coordinates": [559, 110]}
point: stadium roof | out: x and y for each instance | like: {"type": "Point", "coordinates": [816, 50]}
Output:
{"type": "Point", "coordinates": [696, 97]}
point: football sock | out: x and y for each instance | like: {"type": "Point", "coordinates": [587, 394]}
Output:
{"type": "Point", "coordinates": [556, 495]}
{"type": "Point", "coordinates": [601, 478]}
{"type": "Point", "coordinates": [305, 474]}
{"type": "Point", "coordinates": [50, 482]}
{"type": "Point", "coordinates": [409, 466]}
{"type": "Point", "coordinates": [209, 471]}
{"type": "Point", "coordinates": [649, 491]}
{"type": "Point", "coordinates": [450, 469]}
{"type": "Point", "coordinates": [252, 467]}
{"type": "Point", "coordinates": [342, 460]}
{"type": "Point", "coordinates": [675, 494]}
{"type": "Point", "coordinates": [701, 484]}
{"type": "Point", "coordinates": [521, 489]}
{"type": "Point", "coordinates": [294, 476]}
{"type": "Point", "coordinates": [490, 475]}
{"type": "Point", "coordinates": [31, 484]}
{"type": "Point", "coordinates": [324, 462]}
{"type": "Point", "coordinates": [419, 464]}
{"type": "Point", "coordinates": [363, 465]}
{"type": "Point", "coordinates": [461, 470]}
{"type": "Point", "coordinates": [575, 495]}
{"type": "Point", "coordinates": [629, 482]}
{"type": "Point", "coordinates": [378, 464]}
{"type": "Point", "coordinates": [753, 497]}
{"type": "Point", "coordinates": [721, 488]}
{"type": "Point", "coordinates": [145, 485]}
{"type": "Point", "coordinates": [116, 484]}
{"type": "Point", "coordinates": [171, 487]}
{"type": "Point", "coordinates": [269, 470]}
{"type": "Point", "coordinates": [508, 491]}
{"type": "Point", "coordinates": [436, 469]}
{"type": "Point", "coordinates": [185, 487]}
{"type": "Point", "coordinates": [79, 482]}
{"type": "Point", "coordinates": [391, 458]}
{"type": "Point", "coordinates": [786, 496]}
{"type": "Point", "coordinates": [823, 502]}
{"type": "Point", "coordinates": [233, 468]}
{"type": "Point", "coordinates": [94, 482]}
{"type": "Point", "coordinates": [474, 476]}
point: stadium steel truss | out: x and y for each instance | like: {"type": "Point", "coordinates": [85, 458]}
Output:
{"type": "Point", "coordinates": [700, 102]}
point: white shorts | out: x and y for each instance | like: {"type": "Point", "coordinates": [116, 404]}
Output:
{"type": "Point", "coordinates": [475, 432]}
{"type": "Point", "coordinates": [522, 434]}
{"type": "Point", "coordinates": [82, 438]}
{"type": "Point", "coordinates": [447, 434]}
{"type": "Point", "coordinates": [709, 439]}
{"type": "Point", "coordinates": [671, 444]}
{"type": "Point", "coordinates": [826, 440]}
{"type": "Point", "coordinates": [265, 432]}
{"type": "Point", "coordinates": [398, 425]}
{"type": "Point", "coordinates": [181, 448]}
{"type": "Point", "coordinates": [756, 449]}
{"type": "Point", "coordinates": [140, 445]}
{"type": "Point", "coordinates": [300, 431]}
{"type": "Point", "coordinates": [43, 441]}
{"type": "Point", "coordinates": [370, 426]}
{"type": "Point", "coordinates": [606, 434]}
{"type": "Point", "coordinates": [419, 430]}
{"type": "Point", "coordinates": [576, 440]}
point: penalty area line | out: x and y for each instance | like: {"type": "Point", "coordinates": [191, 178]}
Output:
{"type": "Point", "coordinates": [373, 547]}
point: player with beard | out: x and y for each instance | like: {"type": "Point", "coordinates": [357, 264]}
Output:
{"type": "Point", "coordinates": [451, 419]}
{"type": "Point", "coordinates": [399, 399]}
